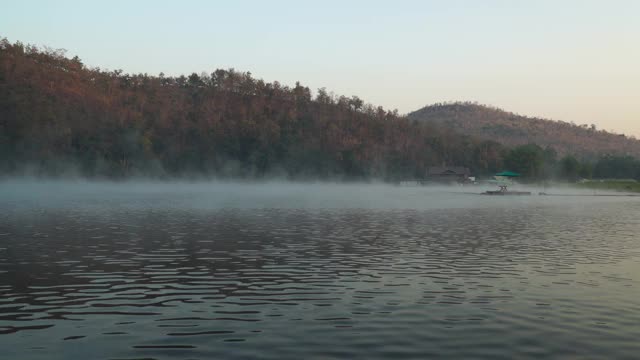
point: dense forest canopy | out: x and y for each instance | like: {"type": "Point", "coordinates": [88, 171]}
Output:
{"type": "Point", "coordinates": [510, 129]}
{"type": "Point", "coordinates": [60, 117]}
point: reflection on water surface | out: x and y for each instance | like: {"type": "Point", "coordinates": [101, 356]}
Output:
{"type": "Point", "coordinates": [166, 276]}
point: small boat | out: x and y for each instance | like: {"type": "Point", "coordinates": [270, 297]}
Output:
{"type": "Point", "coordinates": [504, 191]}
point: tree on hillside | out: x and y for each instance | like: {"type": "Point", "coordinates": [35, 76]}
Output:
{"type": "Point", "coordinates": [569, 168]}
{"type": "Point", "coordinates": [550, 163]}
{"type": "Point", "coordinates": [586, 170]}
{"type": "Point", "coordinates": [617, 167]}
{"type": "Point", "coordinates": [527, 160]}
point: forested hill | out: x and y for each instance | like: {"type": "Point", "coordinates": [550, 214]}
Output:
{"type": "Point", "coordinates": [59, 116]}
{"type": "Point", "coordinates": [511, 129]}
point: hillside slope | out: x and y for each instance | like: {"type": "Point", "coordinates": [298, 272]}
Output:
{"type": "Point", "coordinates": [57, 116]}
{"type": "Point", "coordinates": [511, 129]}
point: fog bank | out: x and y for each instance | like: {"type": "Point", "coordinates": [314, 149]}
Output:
{"type": "Point", "coordinates": [30, 193]}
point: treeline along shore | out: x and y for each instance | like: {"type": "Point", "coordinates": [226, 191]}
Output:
{"type": "Point", "coordinates": [60, 117]}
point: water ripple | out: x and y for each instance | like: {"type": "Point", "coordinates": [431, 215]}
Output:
{"type": "Point", "coordinates": [524, 282]}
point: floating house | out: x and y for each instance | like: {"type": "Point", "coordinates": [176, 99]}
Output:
{"type": "Point", "coordinates": [449, 174]}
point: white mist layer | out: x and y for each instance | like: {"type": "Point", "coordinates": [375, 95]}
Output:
{"type": "Point", "coordinates": [26, 193]}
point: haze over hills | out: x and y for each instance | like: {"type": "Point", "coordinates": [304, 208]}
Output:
{"type": "Point", "coordinates": [59, 116]}
{"type": "Point", "coordinates": [507, 128]}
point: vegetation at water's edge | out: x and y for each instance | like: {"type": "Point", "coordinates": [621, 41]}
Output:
{"type": "Point", "coordinates": [611, 185]}
{"type": "Point", "coordinates": [536, 164]}
{"type": "Point", "coordinates": [58, 116]}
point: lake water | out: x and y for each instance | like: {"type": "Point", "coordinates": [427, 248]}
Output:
{"type": "Point", "coordinates": [290, 271]}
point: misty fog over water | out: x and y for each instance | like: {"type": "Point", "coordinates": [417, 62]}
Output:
{"type": "Point", "coordinates": [282, 270]}
{"type": "Point", "coordinates": [29, 193]}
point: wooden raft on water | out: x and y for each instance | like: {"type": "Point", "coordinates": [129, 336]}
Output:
{"type": "Point", "coordinates": [504, 191]}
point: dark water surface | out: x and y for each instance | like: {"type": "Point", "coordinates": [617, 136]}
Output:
{"type": "Point", "coordinates": [315, 271]}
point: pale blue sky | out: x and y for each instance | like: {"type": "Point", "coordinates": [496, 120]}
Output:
{"type": "Point", "coordinates": [567, 60]}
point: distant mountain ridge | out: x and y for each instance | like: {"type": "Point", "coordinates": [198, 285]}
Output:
{"type": "Point", "coordinates": [490, 123]}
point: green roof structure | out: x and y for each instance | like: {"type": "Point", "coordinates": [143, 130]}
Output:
{"type": "Point", "coordinates": [508, 174]}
